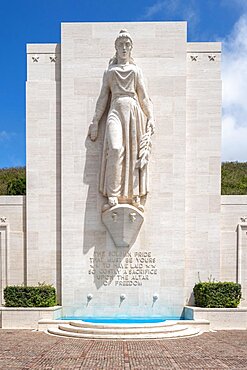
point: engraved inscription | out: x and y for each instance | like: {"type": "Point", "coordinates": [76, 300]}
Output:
{"type": "Point", "coordinates": [126, 269]}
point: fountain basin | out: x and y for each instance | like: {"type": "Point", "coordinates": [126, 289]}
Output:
{"type": "Point", "coordinates": [121, 320]}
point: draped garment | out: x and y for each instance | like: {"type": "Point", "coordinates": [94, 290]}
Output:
{"type": "Point", "coordinates": [125, 125]}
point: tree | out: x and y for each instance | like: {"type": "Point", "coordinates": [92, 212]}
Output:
{"type": "Point", "coordinates": [234, 178]}
{"type": "Point", "coordinates": [16, 186]}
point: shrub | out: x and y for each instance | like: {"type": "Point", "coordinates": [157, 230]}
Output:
{"type": "Point", "coordinates": [217, 294]}
{"type": "Point", "coordinates": [30, 296]}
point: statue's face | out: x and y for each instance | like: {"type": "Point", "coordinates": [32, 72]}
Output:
{"type": "Point", "coordinates": [123, 47]}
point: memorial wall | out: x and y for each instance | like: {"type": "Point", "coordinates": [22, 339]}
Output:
{"type": "Point", "coordinates": [110, 251]}
{"type": "Point", "coordinates": [159, 49]}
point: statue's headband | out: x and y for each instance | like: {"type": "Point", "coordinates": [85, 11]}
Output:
{"type": "Point", "coordinates": [124, 33]}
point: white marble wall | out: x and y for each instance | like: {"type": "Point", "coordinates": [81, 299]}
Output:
{"type": "Point", "coordinates": [43, 164]}
{"type": "Point", "coordinates": [183, 80]}
{"type": "Point", "coordinates": [234, 240]}
{"type": "Point", "coordinates": [12, 242]}
{"type": "Point", "coordinates": [160, 49]}
{"type": "Point", "coordinates": [203, 163]}
{"type": "Point", "coordinates": [183, 214]}
{"type": "Point", "coordinates": [13, 247]}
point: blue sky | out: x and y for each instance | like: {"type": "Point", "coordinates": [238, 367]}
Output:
{"type": "Point", "coordinates": [38, 21]}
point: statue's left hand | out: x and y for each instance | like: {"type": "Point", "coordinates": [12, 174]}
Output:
{"type": "Point", "coordinates": [93, 131]}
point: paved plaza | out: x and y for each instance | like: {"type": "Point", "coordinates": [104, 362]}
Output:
{"type": "Point", "coordinates": [24, 349]}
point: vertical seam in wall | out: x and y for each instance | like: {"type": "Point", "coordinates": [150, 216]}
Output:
{"type": "Point", "coordinates": [24, 210]}
{"type": "Point", "coordinates": [58, 187]}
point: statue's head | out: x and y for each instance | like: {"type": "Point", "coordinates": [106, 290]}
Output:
{"type": "Point", "coordinates": [123, 36]}
{"type": "Point", "coordinates": [123, 46]}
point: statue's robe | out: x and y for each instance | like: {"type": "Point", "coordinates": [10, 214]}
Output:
{"type": "Point", "coordinates": [125, 126]}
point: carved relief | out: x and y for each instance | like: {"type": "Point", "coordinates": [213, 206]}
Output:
{"type": "Point", "coordinates": [132, 216]}
{"type": "Point", "coordinates": [128, 129]}
{"type": "Point", "coordinates": [35, 59]}
{"type": "Point", "coordinates": [194, 58]}
{"type": "Point", "coordinates": [114, 216]}
{"type": "Point", "coordinates": [211, 58]}
{"type": "Point", "coordinates": [3, 220]}
{"type": "Point", "coordinates": [53, 59]}
{"type": "Point", "coordinates": [123, 225]}
{"type": "Point", "coordinates": [243, 219]}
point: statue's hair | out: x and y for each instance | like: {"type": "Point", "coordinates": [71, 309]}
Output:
{"type": "Point", "coordinates": [122, 34]}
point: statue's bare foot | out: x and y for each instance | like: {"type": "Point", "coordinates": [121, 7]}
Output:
{"type": "Point", "coordinates": [136, 202]}
{"type": "Point", "coordinates": [112, 201]}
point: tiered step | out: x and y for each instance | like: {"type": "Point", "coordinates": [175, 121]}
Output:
{"type": "Point", "coordinates": [167, 329]}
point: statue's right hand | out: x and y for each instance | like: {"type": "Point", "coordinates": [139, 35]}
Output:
{"type": "Point", "coordinates": [93, 131]}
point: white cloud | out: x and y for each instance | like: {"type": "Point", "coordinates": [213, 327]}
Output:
{"type": "Point", "coordinates": [234, 69]}
{"type": "Point", "coordinates": [241, 4]}
{"type": "Point", "coordinates": [164, 6]}
{"type": "Point", "coordinates": [188, 11]}
{"type": "Point", "coordinates": [234, 77]}
{"type": "Point", "coordinates": [5, 136]}
{"type": "Point", "coordinates": [234, 146]}
{"type": "Point", "coordinates": [178, 10]}
{"type": "Point", "coordinates": [154, 9]}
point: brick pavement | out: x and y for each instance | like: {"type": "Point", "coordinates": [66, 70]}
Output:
{"type": "Point", "coordinates": [24, 349]}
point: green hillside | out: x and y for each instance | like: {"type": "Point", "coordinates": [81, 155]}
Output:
{"type": "Point", "coordinates": [233, 179]}
{"type": "Point", "coordinates": [13, 181]}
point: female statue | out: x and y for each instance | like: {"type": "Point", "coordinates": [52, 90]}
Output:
{"type": "Point", "coordinates": [129, 125]}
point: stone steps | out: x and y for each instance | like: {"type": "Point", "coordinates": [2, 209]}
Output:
{"type": "Point", "coordinates": [84, 324]}
{"type": "Point", "coordinates": [121, 331]}
{"type": "Point", "coordinates": [109, 331]}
